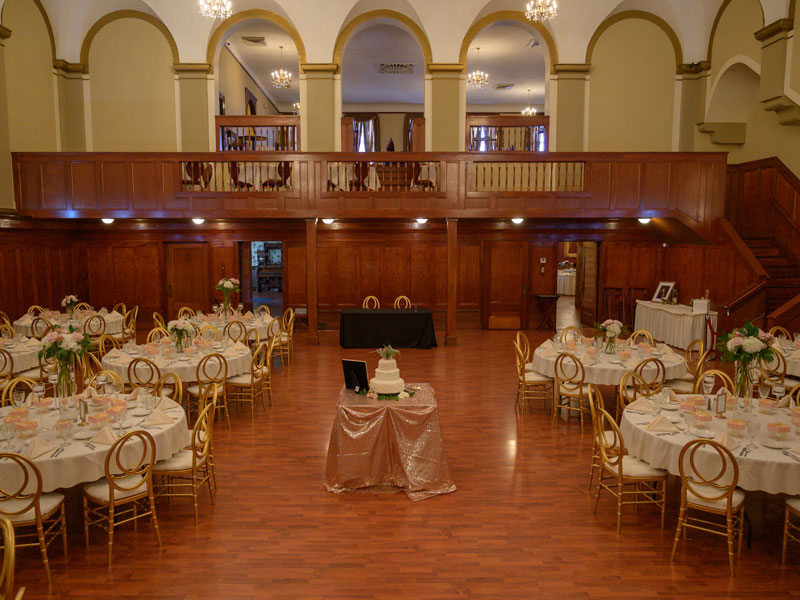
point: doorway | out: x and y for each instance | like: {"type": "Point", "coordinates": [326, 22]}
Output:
{"type": "Point", "coordinates": [266, 281]}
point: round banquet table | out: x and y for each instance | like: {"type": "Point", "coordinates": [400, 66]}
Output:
{"type": "Point", "coordinates": [604, 372]}
{"type": "Point", "coordinates": [260, 324]}
{"type": "Point", "coordinates": [24, 352]}
{"type": "Point", "coordinates": [792, 356]}
{"type": "Point", "coordinates": [114, 322]}
{"type": "Point", "coordinates": [184, 365]}
{"type": "Point", "coordinates": [79, 463]}
{"type": "Point", "coordinates": [763, 468]}
{"type": "Point", "coordinates": [566, 283]}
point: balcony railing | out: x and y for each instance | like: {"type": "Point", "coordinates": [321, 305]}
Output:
{"type": "Point", "coordinates": [258, 133]}
{"type": "Point", "coordinates": [495, 133]}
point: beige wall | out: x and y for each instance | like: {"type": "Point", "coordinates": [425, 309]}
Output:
{"type": "Point", "coordinates": [632, 89]}
{"type": "Point", "coordinates": [318, 112]}
{"type": "Point", "coordinates": [795, 64]}
{"type": "Point", "coordinates": [29, 76]}
{"type": "Point", "coordinates": [734, 34]}
{"type": "Point", "coordinates": [132, 88]}
{"type": "Point", "coordinates": [391, 126]}
{"type": "Point", "coordinates": [6, 174]}
{"type": "Point", "coordinates": [71, 112]}
{"type": "Point", "coordinates": [445, 123]}
{"type": "Point", "coordinates": [194, 112]}
{"type": "Point", "coordinates": [232, 80]}
{"type": "Point", "coordinates": [570, 111]}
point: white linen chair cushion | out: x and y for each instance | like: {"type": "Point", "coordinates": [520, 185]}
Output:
{"type": "Point", "coordinates": [180, 461]}
{"type": "Point", "coordinates": [193, 390]}
{"type": "Point", "coordinates": [634, 467]}
{"type": "Point", "coordinates": [584, 390]}
{"type": "Point", "coordinates": [47, 504]}
{"type": "Point", "coordinates": [529, 366]}
{"type": "Point", "coordinates": [244, 379]}
{"type": "Point", "coordinates": [736, 500]}
{"type": "Point", "coordinates": [794, 503]}
{"type": "Point", "coordinates": [99, 489]}
{"type": "Point", "coordinates": [536, 377]}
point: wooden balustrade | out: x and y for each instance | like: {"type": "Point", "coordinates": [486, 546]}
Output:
{"type": "Point", "coordinates": [688, 187]}
{"type": "Point", "coordinates": [262, 133]}
{"type": "Point", "coordinates": [496, 133]}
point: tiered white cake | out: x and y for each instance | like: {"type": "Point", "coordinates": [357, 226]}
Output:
{"type": "Point", "coordinates": [387, 378]}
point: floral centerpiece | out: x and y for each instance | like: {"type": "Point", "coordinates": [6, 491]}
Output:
{"type": "Point", "coordinates": [180, 330]}
{"type": "Point", "coordinates": [388, 352]}
{"type": "Point", "coordinates": [65, 348]}
{"type": "Point", "coordinates": [69, 302]}
{"type": "Point", "coordinates": [228, 286]}
{"type": "Point", "coordinates": [612, 329]}
{"type": "Point", "coordinates": [744, 347]}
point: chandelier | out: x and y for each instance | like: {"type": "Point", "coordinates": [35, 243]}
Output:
{"type": "Point", "coordinates": [215, 9]}
{"type": "Point", "coordinates": [529, 111]}
{"type": "Point", "coordinates": [281, 78]}
{"type": "Point", "coordinates": [478, 79]}
{"type": "Point", "coordinates": [541, 10]}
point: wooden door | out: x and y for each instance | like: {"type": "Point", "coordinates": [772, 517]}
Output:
{"type": "Point", "coordinates": [504, 282]}
{"type": "Point", "coordinates": [586, 284]}
{"type": "Point", "coordinates": [224, 263]}
{"type": "Point", "coordinates": [187, 278]}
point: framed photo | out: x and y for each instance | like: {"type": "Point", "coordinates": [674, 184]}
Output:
{"type": "Point", "coordinates": [663, 290]}
{"type": "Point", "coordinates": [355, 375]}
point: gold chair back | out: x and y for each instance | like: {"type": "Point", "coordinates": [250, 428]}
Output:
{"type": "Point", "coordinates": [209, 332]}
{"type": "Point", "coordinates": [713, 482]}
{"type": "Point", "coordinates": [9, 555]}
{"type": "Point", "coordinates": [94, 326]}
{"type": "Point", "coordinates": [596, 403]}
{"type": "Point", "coordinates": [641, 335]}
{"type": "Point", "coordinates": [722, 379]}
{"type": "Point", "coordinates": [143, 373]}
{"type": "Point", "coordinates": [694, 351]}
{"type": "Point", "coordinates": [112, 378]}
{"type": "Point", "coordinates": [129, 324]}
{"type": "Point", "coordinates": [252, 338]}
{"type": "Point", "coordinates": [569, 375]}
{"type": "Point", "coordinates": [780, 332]}
{"type": "Point", "coordinates": [371, 302]}
{"type": "Point", "coordinates": [7, 331]}
{"type": "Point", "coordinates": [90, 364]}
{"type": "Point", "coordinates": [213, 368]}
{"type": "Point", "coordinates": [156, 334]}
{"type": "Point", "coordinates": [40, 327]}
{"type": "Point", "coordinates": [203, 431]}
{"type": "Point", "coordinates": [158, 320]}
{"type": "Point", "coordinates": [262, 310]}
{"type": "Point", "coordinates": [170, 381]}
{"type": "Point", "coordinates": [35, 310]}
{"type": "Point", "coordinates": [524, 345]}
{"type": "Point", "coordinates": [17, 385]}
{"type": "Point", "coordinates": [570, 332]}
{"type": "Point", "coordinates": [185, 313]}
{"type": "Point", "coordinates": [129, 461]}
{"type": "Point", "coordinates": [235, 331]}
{"type": "Point", "coordinates": [6, 365]}
{"type": "Point", "coordinates": [630, 387]}
{"type": "Point", "coordinates": [107, 343]}
{"type": "Point", "coordinates": [208, 396]}
{"type": "Point", "coordinates": [4, 317]}
{"type": "Point", "coordinates": [795, 394]}
{"type": "Point", "coordinates": [275, 328]}
{"type": "Point", "coordinates": [83, 306]}
{"type": "Point", "coordinates": [402, 302]}
{"type": "Point", "coordinates": [120, 308]}
{"type": "Point", "coordinates": [774, 371]}
{"type": "Point", "coordinates": [653, 373]}
{"type": "Point", "coordinates": [609, 440]}
{"type": "Point", "coordinates": [20, 492]}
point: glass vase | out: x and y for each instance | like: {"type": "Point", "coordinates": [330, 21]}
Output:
{"type": "Point", "coordinates": [743, 382]}
{"type": "Point", "coordinates": [226, 305]}
{"type": "Point", "coordinates": [65, 384]}
{"type": "Point", "coordinates": [609, 347]}
{"type": "Point", "coordinates": [70, 310]}
{"type": "Point", "coordinates": [179, 344]}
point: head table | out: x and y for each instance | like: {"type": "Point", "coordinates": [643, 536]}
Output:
{"type": "Point", "coordinates": [113, 319]}
{"type": "Point", "coordinates": [83, 461]}
{"type": "Point", "coordinates": [760, 467]}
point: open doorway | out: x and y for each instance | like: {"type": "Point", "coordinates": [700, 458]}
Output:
{"type": "Point", "coordinates": [266, 263]}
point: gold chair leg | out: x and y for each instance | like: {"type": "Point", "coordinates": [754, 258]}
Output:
{"type": "Point", "coordinates": [619, 503]}
{"type": "Point", "coordinates": [153, 518]}
{"type": "Point", "coordinates": [43, 548]}
{"type": "Point", "coordinates": [64, 528]}
{"type": "Point", "coordinates": [110, 532]}
{"type": "Point", "coordinates": [729, 531]}
{"type": "Point", "coordinates": [785, 536]}
{"type": "Point", "coordinates": [86, 519]}
{"type": "Point", "coordinates": [681, 516]}
{"type": "Point", "coordinates": [194, 498]}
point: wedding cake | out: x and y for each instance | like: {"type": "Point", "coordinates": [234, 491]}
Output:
{"type": "Point", "coordinates": [387, 376]}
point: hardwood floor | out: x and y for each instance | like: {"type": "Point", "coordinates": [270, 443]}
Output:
{"type": "Point", "coordinates": [520, 524]}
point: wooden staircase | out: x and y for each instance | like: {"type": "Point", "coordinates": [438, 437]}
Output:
{"type": "Point", "coordinates": [784, 275]}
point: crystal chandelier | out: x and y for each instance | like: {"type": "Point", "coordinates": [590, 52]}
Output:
{"type": "Point", "coordinates": [478, 79]}
{"type": "Point", "coordinates": [216, 9]}
{"type": "Point", "coordinates": [529, 111]}
{"type": "Point", "coordinates": [281, 78]}
{"type": "Point", "coordinates": [541, 10]}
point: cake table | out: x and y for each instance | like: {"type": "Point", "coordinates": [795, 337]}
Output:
{"type": "Point", "coordinates": [383, 445]}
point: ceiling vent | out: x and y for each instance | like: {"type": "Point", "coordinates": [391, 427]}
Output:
{"type": "Point", "coordinates": [504, 86]}
{"type": "Point", "coordinates": [395, 68]}
{"type": "Point", "coordinates": [254, 40]}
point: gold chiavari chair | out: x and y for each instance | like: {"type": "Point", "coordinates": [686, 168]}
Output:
{"type": "Point", "coordinates": [4, 318]}
{"type": "Point", "coordinates": [36, 516]}
{"type": "Point", "coordinates": [107, 343]}
{"type": "Point", "coordinates": [630, 387]}
{"type": "Point", "coordinates": [157, 334]}
{"type": "Point", "coordinates": [570, 386]}
{"type": "Point", "coordinates": [570, 332]}
{"type": "Point", "coordinates": [525, 345]}
{"type": "Point", "coordinates": [35, 310]}
{"type": "Point", "coordinates": [795, 394]}
{"type": "Point", "coordinates": [40, 327]}
{"type": "Point", "coordinates": [94, 328]}
{"type": "Point", "coordinates": [248, 387]}
{"type": "Point", "coordinates": [780, 332]}
{"type": "Point", "coordinates": [209, 332]}
{"type": "Point", "coordinates": [708, 485]}
{"type": "Point", "coordinates": [266, 379]}
{"type": "Point", "coordinates": [158, 321]}
{"type": "Point", "coordinates": [112, 378]}
{"type": "Point", "coordinates": [639, 336]}
{"type": "Point", "coordinates": [262, 310]}
{"type": "Point", "coordinates": [235, 331]}
{"type": "Point", "coordinates": [9, 556]}
{"type": "Point", "coordinates": [83, 306]}
{"type": "Point", "coordinates": [628, 477]}
{"type": "Point", "coordinates": [90, 365]}
{"type": "Point", "coordinates": [287, 336]}
{"type": "Point", "coordinates": [169, 385]}
{"type": "Point", "coordinates": [252, 338]}
{"type": "Point", "coordinates": [191, 467]}
{"type": "Point", "coordinates": [791, 529]}
{"type": "Point", "coordinates": [696, 358]}
{"type": "Point", "coordinates": [722, 379]}
{"type": "Point", "coordinates": [22, 385]}
{"type": "Point", "coordinates": [128, 482]}
{"type": "Point", "coordinates": [402, 302]}
{"type": "Point", "coordinates": [596, 404]}
{"type": "Point", "coordinates": [653, 373]}
{"type": "Point", "coordinates": [275, 332]}
{"type": "Point", "coordinates": [530, 384]}
{"type": "Point", "coordinates": [212, 369]}
{"type": "Point", "coordinates": [143, 373]}
{"type": "Point", "coordinates": [371, 302]}
{"type": "Point", "coordinates": [184, 312]}
{"type": "Point", "coordinates": [209, 397]}
{"type": "Point", "coordinates": [7, 331]}
{"type": "Point", "coordinates": [120, 308]}
{"type": "Point", "coordinates": [774, 371]}
{"type": "Point", "coordinates": [129, 324]}
{"type": "Point", "coordinates": [6, 368]}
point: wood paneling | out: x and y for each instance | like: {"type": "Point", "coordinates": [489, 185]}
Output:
{"type": "Point", "coordinates": [187, 277]}
{"type": "Point", "coordinates": [505, 280]}
{"type": "Point", "coordinates": [223, 262]}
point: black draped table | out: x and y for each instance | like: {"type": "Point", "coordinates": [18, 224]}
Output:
{"type": "Point", "coordinates": [376, 327]}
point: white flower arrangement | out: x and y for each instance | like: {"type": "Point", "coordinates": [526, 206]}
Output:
{"type": "Point", "coordinates": [611, 327]}
{"type": "Point", "coordinates": [70, 300]}
{"type": "Point", "coordinates": [179, 326]}
{"type": "Point", "coordinates": [228, 284]}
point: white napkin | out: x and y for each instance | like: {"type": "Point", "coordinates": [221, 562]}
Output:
{"type": "Point", "coordinates": [726, 440]}
{"type": "Point", "coordinates": [114, 313]}
{"type": "Point", "coordinates": [25, 319]}
{"type": "Point", "coordinates": [165, 404]}
{"type": "Point", "coordinates": [785, 402]}
{"type": "Point", "coordinates": [547, 352]}
{"type": "Point", "coordinates": [104, 436]}
{"type": "Point", "coordinates": [661, 423]}
{"type": "Point", "coordinates": [133, 396]}
{"type": "Point", "coordinates": [795, 355]}
{"type": "Point", "coordinates": [39, 447]}
{"type": "Point", "coordinates": [642, 405]}
{"type": "Point", "coordinates": [548, 345]}
{"type": "Point", "coordinates": [231, 352]}
{"type": "Point", "coordinates": [157, 417]}
{"type": "Point", "coordinates": [89, 392]}
{"type": "Point", "coordinates": [248, 314]}
{"type": "Point", "coordinates": [631, 363]}
{"type": "Point", "coordinates": [118, 355]}
{"type": "Point", "coordinates": [795, 451]}
{"type": "Point", "coordinates": [673, 397]}
{"type": "Point", "coordinates": [241, 347]}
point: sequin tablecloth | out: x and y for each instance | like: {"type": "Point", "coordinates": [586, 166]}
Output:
{"type": "Point", "coordinates": [390, 443]}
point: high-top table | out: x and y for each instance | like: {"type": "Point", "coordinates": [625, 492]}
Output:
{"type": "Point", "coordinates": [388, 444]}
{"type": "Point", "coordinates": [674, 324]}
{"type": "Point", "coordinates": [376, 327]}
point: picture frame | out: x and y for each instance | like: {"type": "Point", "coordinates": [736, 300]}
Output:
{"type": "Point", "coordinates": [663, 291]}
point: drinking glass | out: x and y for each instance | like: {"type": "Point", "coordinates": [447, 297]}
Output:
{"type": "Point", "coordinates": [100, 383]}
{"type": "Point", "coordinates": [708, 384]}
{"type": "Point", "coordinates": [120, 416]}
{"type": "Point", "coordinates": [18, 398]}
{"type": "Point", "coordinates": [7, 431]}
{"type": "Point", "coordinates": [64, 431]}
{"type": "Point", "coordinates": [779, 389]}
{"type": "Point", "coordinates": [764, 389]}
{"type": "Point", "coordinates": [215, 309]}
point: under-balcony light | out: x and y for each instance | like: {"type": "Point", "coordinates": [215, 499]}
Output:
{"type": "Point", "coordinates": [107, 221]}
{"type": "Point", "coordinates": [422, 221]}
{"type": "Point", "coordinates": [644, 220]}
{"type": "Point", "coordinates": [328, 221]}
{"type": "Point", "coordinates": [517, 221]}
{"type": "Point", "coordinates": [198, 221]}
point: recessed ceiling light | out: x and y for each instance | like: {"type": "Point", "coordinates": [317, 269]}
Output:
{"type": "Point", "coordinates": [107, 221]}
{"type": "Point", "coordinates": [328, 221]}
{"type": "Point", "coordinates": [644, 220]}
{"type": "Point", "coordinates": [422, 221]}
{"type": "Point", "coordinates": [517, 221]}
{"type": "Point", "coordinates": [198, 221]}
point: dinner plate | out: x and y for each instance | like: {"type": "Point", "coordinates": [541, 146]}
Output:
{"type": "Point", "coordinates": [671, 406]}
{"type": "Point", "coordinates": [615, 362]}
{"type": "Point", "coordinates": [777, 444]}
{"type": "Point", "coordinates": [141, 412]}
{"type": "Point", "coordinates": [83, 434]}
{"type": "Point", "coordinates": [708, 435]}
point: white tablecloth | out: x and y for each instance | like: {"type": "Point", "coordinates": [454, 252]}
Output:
{"type": "Point", "coordinates": [673, 324]}
{"type": "Point", "coordinates": [605, 372]}
{"type": "Point", "coordinates": [113, 322]}
{"type": "Point", "coordinates": [566, 283]}
{"type": "Point", "coordinates": [184, 365]}
{"type": "Point", "coordinates": [260, 324]}
{"type": "Point", "coordinates": [80, 464]}
{"type": "Point", "coordinates": [763, 468]}
{"type": "Point", "coordinates": [25, 353]}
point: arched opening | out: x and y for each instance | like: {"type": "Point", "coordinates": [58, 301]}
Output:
{"type": "Point", "coordinates": [731, 102]}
